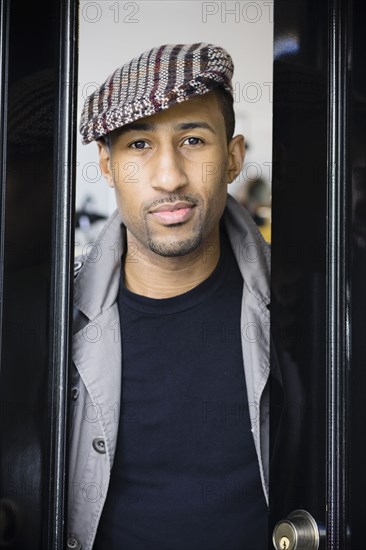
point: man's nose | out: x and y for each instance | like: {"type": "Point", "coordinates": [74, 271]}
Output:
{"type": "Point", "coordinates": [168, 173]}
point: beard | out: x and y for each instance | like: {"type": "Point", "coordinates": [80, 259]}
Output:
{"type": "Point", "coordinates": [171, 247]}
{"type": "Point", "coordinates": [176, 248]}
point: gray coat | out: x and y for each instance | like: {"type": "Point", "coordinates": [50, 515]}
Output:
{"type": "Point", "coordinates": [97, 358]}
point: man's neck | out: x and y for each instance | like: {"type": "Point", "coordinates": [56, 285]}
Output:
{"type": "Point", "coordinates": [154, 276]}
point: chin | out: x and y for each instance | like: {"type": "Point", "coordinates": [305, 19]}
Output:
{"type": "Point", "coordinates": [175, 249]}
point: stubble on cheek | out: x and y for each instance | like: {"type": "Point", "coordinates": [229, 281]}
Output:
{"type": "Point", "coordinates": [176, 239]}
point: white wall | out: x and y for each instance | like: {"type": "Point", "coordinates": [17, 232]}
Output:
{"type": "Point", "coordinates": [112, 32]}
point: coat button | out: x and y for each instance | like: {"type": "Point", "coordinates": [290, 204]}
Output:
{"type": "Point", "coordinates": [74, 393]}
{"type": "Point", "coordinates": [99, 445]}
{"type": "Point", "coordinates": [73, 543]}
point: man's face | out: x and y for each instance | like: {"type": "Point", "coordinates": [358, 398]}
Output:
{"type": "Point", "coordinates": [170, 173]}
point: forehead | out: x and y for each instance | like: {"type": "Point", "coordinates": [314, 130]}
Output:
{"type": "Point", "coordinates": [203, 109]}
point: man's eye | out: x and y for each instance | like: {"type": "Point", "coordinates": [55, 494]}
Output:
{"type": "Point", "coordinates": [141, 144]}
{"type": "Point", "coordinates": [193, 141]}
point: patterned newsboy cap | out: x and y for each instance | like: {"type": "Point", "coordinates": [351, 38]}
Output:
{"type": "Point", "coordinates": [154, 81]}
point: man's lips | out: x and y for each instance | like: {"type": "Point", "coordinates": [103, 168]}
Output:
{"type": "Point", "coordinates": [171, 206]}
{"type": "Point", "coordinates": [169, 213]}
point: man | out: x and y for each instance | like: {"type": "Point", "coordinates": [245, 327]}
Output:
{"type": "Point", "coordinates": [169, 441]}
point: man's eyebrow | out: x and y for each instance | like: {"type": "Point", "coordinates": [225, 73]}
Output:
{"type": "Point", "coordinates": [193, 125]}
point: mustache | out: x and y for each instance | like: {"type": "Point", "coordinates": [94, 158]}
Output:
{"type": "Point", "coordinates": [171, 199]}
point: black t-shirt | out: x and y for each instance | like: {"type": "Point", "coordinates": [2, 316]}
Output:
{"type": "Point", "coordinates": [185, 474]}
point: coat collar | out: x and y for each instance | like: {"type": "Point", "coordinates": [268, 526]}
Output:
{"type": "Point", "coordinates": [251, 251]}
{"type": "Point", "coordinates": [96, 286]}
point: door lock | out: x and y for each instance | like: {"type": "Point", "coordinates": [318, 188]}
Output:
{"type": "Point", "coordinates": [299, 531]}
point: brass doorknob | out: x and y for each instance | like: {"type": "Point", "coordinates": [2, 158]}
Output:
{"type": "Point", "coordinates": [299, 531]}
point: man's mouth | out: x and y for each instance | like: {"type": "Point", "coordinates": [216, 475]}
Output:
{"type": "Point", "coordinates": [171, 213]}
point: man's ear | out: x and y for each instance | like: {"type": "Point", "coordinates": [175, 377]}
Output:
{"type": "Point", "coordinates": [236, 150]}
{"type": "Point", "coordinates": [105, 162]}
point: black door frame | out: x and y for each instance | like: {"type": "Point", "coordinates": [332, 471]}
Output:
{"type": "Point", "coordinates": [62, 267]}
{"type": "Point", "coordinates": [338, 295]}
{"type": "Point", "coordinates": [58, 21]}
